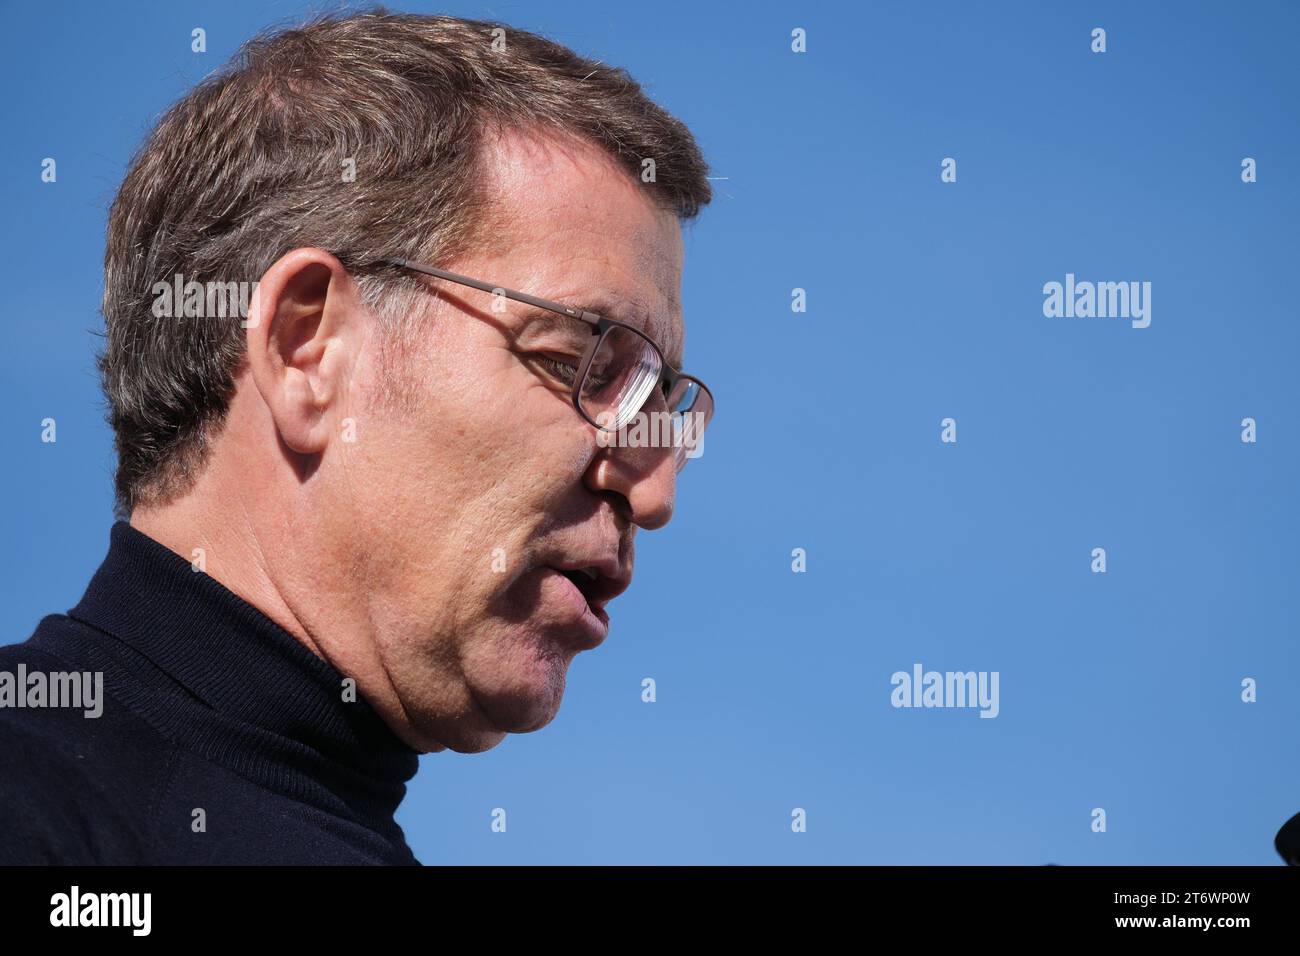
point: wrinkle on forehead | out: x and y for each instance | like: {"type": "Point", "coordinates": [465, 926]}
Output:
{"type": "Point", "coordinates": [573, 226]}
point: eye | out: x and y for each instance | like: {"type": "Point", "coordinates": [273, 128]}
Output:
{"type": "Point", "coordinates": [561, 369]}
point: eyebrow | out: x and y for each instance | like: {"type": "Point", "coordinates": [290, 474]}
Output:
{"type": "Point", "coordinates": [546, 321]}
{"type": "Point", "coordinates": [551, 321]}
{"type": "Point", "coordinates": [606, 308]}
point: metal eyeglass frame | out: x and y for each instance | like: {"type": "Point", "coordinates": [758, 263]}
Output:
{"type": "Point", "coordinates": [669, 375]}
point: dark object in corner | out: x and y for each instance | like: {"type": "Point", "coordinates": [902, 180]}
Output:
{"type": "Point", "coordinates": [1287, 841]}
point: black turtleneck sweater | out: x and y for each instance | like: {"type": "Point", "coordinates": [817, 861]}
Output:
{"type": "Point", "coordinates": [223, 740]}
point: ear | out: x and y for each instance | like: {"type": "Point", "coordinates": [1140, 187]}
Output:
{"type": "Point", "coordinates": [303, 340]}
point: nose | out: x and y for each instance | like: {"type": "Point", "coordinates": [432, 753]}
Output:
{"type": "Point", "coordinates": [641, 475]}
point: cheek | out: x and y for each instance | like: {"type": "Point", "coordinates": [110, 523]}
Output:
{"type": "Point", "coordinates": [486, 457]}
{"type": "Point", "coordinates": [538, 436]}
{"type": "Point", "coordinates": [533, 470]}
{"type": "Point", "coordinates": [486, 410]}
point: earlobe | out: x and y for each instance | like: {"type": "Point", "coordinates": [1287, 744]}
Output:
{"type": "Point", "coordinates": [299, 345]}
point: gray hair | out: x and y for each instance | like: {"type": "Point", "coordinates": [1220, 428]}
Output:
{"type": "Point", "coordinates": [249, 165]}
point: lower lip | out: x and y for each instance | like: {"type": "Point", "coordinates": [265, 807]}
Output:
{"type": "Point", "coordinates": [592, 625]}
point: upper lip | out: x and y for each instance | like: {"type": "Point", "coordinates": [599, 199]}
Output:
{"type": "Point", "coordinates": [611, 580]}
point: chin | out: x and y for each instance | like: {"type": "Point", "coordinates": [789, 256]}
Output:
{"type": "Point", "coordinates": [524, 689]}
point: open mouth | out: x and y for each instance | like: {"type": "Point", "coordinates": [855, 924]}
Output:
{"type": "Point", "coordinates": [585, 596]}
{"type": "Point", "coordinates": [584, 579]}
{"type": "Point", "coordinates": [592, 585]}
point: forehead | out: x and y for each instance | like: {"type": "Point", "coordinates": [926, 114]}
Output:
{"type": "Point", "coordinates": [568, 224]}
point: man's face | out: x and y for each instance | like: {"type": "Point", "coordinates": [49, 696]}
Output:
{"type": "Point", "coordinates": [470, 503]}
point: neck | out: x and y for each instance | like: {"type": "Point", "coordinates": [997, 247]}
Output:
{"type": "Point", "coordinates": [264, 537]}
{"type": "Point", "coordinates": [232, 549]}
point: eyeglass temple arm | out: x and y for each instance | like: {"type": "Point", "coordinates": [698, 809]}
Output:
{"type": "Point", "coordinates": [589, 317]}
{"type": "Point", "coordinates": [670, 375]}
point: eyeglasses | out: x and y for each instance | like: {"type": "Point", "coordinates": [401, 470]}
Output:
{"type": "Point", "coordinates": [620, 371]}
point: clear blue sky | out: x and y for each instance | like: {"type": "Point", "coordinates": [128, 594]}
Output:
{"type": "Point", "coordinates": [1118, 690]}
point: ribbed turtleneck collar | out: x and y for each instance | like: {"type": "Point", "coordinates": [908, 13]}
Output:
{"type": "Point", "coordinates": [212, 672]}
